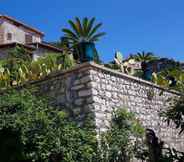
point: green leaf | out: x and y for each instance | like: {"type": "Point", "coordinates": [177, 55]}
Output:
{"type": "Point", "coordinates": [97, 36]}
{"type": "Point", "coordinates": [79, 26]}
{"type": "Point", "coordinates": [94, 30]}
{"type": "Point", "coordinates": [90, 25]}
{"type": "Point", "coordinates": [74, 27]}
{"type": "Point", "coordinates": [70, 33]}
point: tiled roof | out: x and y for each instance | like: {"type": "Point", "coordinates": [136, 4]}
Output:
{"type": "Point", "coordinates": [46, 45]}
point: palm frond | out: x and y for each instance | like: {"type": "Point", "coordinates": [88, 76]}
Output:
{"type": "Point", "coordinates": [90, 25]}
{"type": "Point", "coordinates": [85, 26]}
{"type": "Point", "coordinates": [83, 31]}
{"type": "Point", "coordinates": [94, 29]}
{"type": "Point", "coordinates": [70, 33]}
{"type": "Point", "coordinates": [74, 27]}
{"type": "Point", "coordinates": [79, 26]}
{"type": "Point", "coordinates": [97, 36]}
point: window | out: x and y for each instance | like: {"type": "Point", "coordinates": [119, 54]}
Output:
{"type": "Point", "coordinates": [28, 38]}
{"type": "Point", "coordinates": [9, 36]}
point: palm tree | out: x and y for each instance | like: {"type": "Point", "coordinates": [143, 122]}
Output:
{"type": "Point", "coordinates": [83, 31]}
{"type": "Point", "coordinates": [144, 57]}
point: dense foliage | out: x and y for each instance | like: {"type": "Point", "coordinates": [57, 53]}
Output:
{"type": "Point", "coordinates": [19, 67]}
{"type": "Point", "coordinates": [33, 131]}
{"type": "Point", "coordinates": [170, 78]}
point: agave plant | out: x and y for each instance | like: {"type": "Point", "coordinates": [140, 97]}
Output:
{"type": "Point", "coordinates": [124, 66]}
{"type": "Point", "coordinates": [83, 31]}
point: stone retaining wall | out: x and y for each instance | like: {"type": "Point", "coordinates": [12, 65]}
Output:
{"type": "Point", "coordinates": [93, 90]}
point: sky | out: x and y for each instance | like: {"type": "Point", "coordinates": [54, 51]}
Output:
{"type": "Point", "coordinates": [131, 25]}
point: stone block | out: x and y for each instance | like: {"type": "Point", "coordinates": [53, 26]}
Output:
{"type": "Point", "coordinates": [76, 82]}
{"type": "Point", "coordinates": [108, 94]}
{"type": "Point", "coordinates": [85, 79]}
{"type": "Point", "coordinates": [77, 87]}
{"type": "Point", "coordinates": [84, 93]}
{"type": "Point", "coordinates": [79, 101]}
{"type": "Point", "coordinates": [94, 92]}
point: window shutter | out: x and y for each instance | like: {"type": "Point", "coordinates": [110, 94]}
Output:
{"type": "Point", "coordinates": [28, 38]}
{"type": "Point", "coordinates": [9, 36]}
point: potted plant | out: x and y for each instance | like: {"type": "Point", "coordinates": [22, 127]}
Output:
{"type": "Point", "coordinates": [82, 37]}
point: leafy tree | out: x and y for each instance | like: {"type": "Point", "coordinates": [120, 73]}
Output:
{"type": "Point", "coordinates": [83, 31]}
{"type": "Point", "coordinates": [30, 130]}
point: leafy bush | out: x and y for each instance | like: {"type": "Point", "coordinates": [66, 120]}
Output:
{"type": "Point", "coordinates": [119, 143]}
{"type": "Point", "coordinates": [30, 130]}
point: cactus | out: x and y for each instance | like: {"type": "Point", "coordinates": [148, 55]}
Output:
{"type": "Point", "coordinates": [119, 61]}
{"type": "Point", "coordinates": [125, 67]}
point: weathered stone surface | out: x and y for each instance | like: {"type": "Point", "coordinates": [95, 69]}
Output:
{"type": "Point", "coordinates": [77, 87]}
{"type": "Point", "coordinates": [79, 102]}
{"type": "Point", "coordinates": [84, 93]}
{"type": "Point", "coordinates": [93, 89]}
{"type": "Point", "coordinates": [85, 79]}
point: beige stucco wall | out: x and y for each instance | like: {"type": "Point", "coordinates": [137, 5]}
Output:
{"type": "Point", "coordinates": [18, 33]}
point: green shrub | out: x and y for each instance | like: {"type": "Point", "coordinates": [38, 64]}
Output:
{"type": "Point", "coordinates": [119, 143]}
{"type": "Point", "coordinates": [42, 133]}
{"type": "Point", "coordinates": [31, 130]}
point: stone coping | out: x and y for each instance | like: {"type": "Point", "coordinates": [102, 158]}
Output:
{"type": "Point", "coordinates": [92, 65]}
{"type": "Point", "coordinates": [133, 78]}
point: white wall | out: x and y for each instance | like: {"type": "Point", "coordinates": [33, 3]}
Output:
{"type": "Point", "coordinates": [18, 33]}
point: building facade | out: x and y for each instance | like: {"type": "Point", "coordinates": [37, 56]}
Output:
{"type": "Point", "coordinates": [14, 32]}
